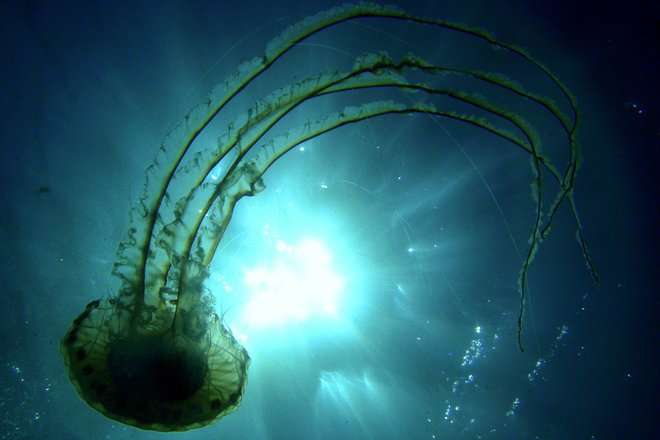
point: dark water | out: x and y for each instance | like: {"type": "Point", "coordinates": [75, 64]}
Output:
{"type": "Point", "coordinates": [424, 223]}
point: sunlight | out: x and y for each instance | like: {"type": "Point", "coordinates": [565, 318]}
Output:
{"type": "Point", "coordinates": [298, 284]}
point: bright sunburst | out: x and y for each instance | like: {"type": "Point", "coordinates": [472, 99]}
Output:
{"type": "Point", "coordinates": [298, 284]}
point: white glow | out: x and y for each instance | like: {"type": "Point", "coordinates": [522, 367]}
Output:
{"type": "Point", "coordinates": [297, 284]}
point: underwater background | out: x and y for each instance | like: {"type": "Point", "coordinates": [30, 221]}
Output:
{"type": "Point", "coordinates": [415, 229]}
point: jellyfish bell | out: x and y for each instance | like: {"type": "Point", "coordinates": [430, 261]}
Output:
{"type": "Point", "coordinates": [155, 369]}
{"type": "Point", "coordinates": [157, 356]}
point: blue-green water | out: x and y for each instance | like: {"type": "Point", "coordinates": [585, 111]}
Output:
{"type": "Point", "coordinates": [408, 232]}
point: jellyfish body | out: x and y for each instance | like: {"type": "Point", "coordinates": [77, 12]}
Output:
{"type": "Point", "coordinates": [157, 356]}
{"type": "Point", "coordinates": [148, 370]}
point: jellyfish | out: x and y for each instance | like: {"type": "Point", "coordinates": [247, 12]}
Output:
{"type": "Point", "coordinates": [156, 355]}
